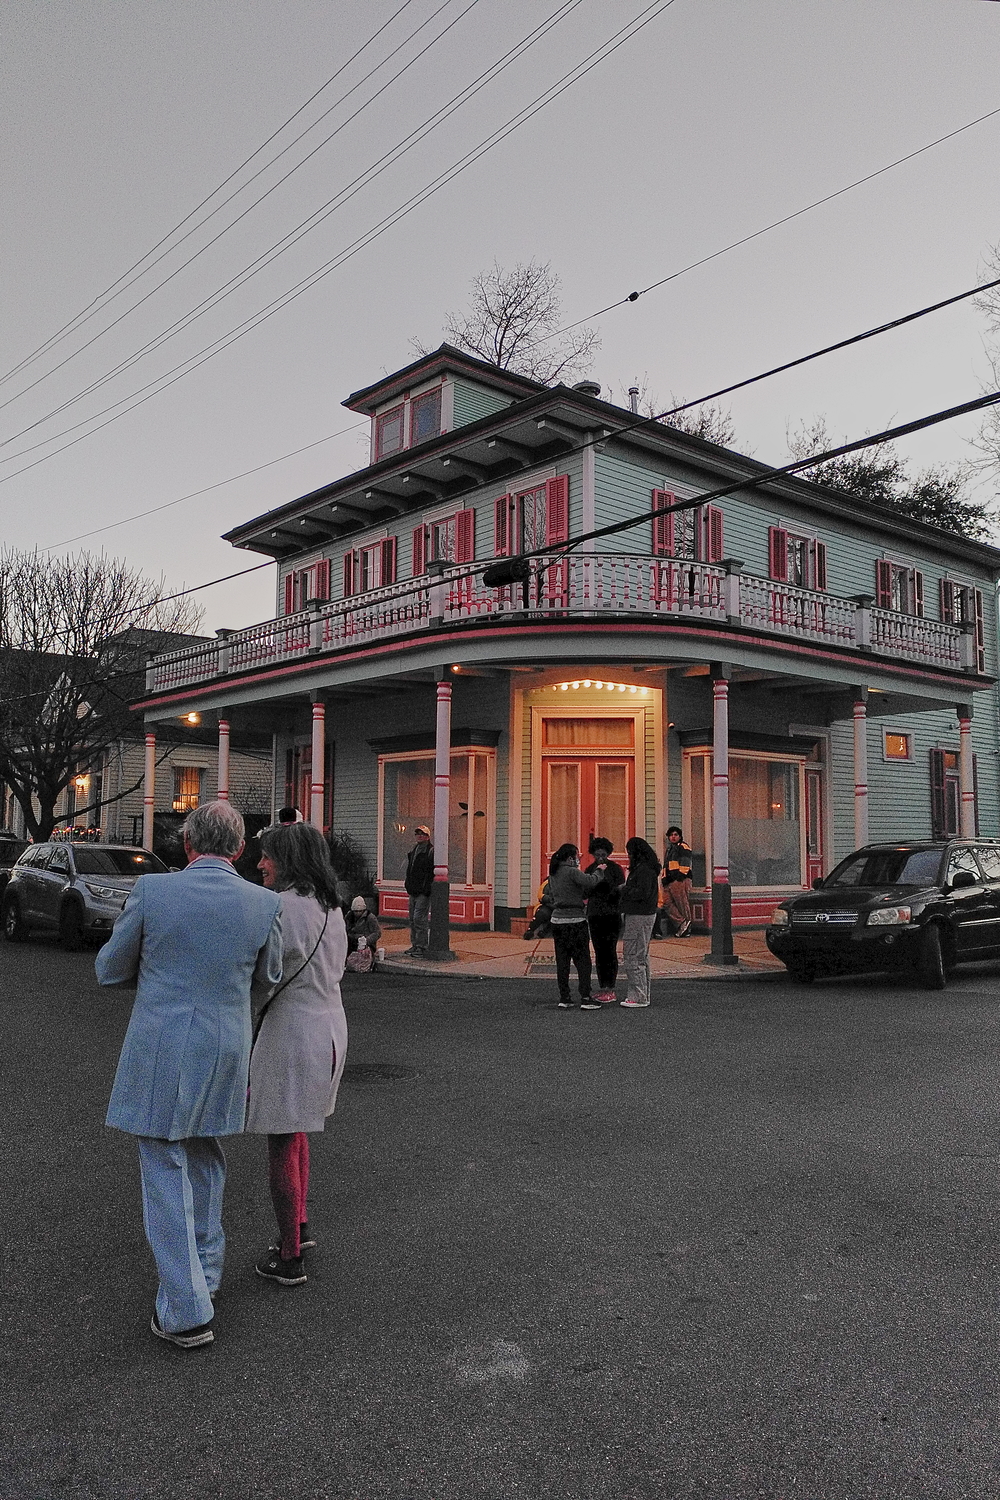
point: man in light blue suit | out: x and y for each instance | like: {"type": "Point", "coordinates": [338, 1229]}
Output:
{"type": "Point", "coordinates": [196, 941]}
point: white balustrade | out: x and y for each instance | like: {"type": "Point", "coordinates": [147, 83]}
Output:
{"type": "Point", "coordinates": [580, 584]}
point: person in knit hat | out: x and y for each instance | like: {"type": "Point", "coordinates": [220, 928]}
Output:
{"type": "Point", "coordinates": [362, 923]}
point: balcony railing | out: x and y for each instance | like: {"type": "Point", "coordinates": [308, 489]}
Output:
{"type": "Point", "coordinates": [584, 585]}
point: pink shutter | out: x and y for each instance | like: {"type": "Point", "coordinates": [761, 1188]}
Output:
{"type": "Point", "coordinates": [883, 584]}
{"type": "Point", "coordinates": [503, 539]}
{"type": "Point", "coordinates": [557, 509]}
{"type": "Point", "coordinates": [947, 601]}
{"type": "Point", "coordinates": [714, 534]}
{"type": "Point", "coordinates": [388, 560]}
{"type": "Point", "coordinates": [777, 554]}
{"type": "Point", "coordinates": [289, 593]}
{"type": "Point", "coordinates": [980, 633]}
{"type": "Point", "coordinates": [465, 536]}
{"type": "Point", "coordinates": [819, 566]}
{"type": "Point", "coordinates": [323, 578]}
{"type": "Point", "coordinates": [419, 551]}
{"type": "Point", "coordinates": [663, 526]}
{"type": "Point", "coordinates": [348, 574]}
{"type": "Point", "coordinates": [918, 591]}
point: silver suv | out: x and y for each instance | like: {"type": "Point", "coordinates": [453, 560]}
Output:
{"type": "Point", "coordinates": [76, 890]}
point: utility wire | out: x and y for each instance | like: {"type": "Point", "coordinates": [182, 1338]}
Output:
{"type": "Point", "coordinates": [287, 241]}
{"type": "Point", "coordinates": [639, 422]}
{"type": "Point", "coordinates": [787, 219]}
{"type": "Point", "coordinates": [117, 287]}
{"type": "Point", "coordinates": [194, 361]}
{"type": "Point", "coordinates": [225, 230]}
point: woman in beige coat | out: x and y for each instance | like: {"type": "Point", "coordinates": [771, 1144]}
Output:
{"type": "Point", "coordinates": [301, 1043]}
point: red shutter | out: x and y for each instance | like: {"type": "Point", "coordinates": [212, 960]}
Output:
{"type": "Point", "coordinates": [663, 526]}
{"type": "Point", "coordinates": [946, 595]}
{"type": "Point", "coordinates": [980, 635]}
{"type": "Point", "coordinates": [918, 591]}
{"type": "Point", "coordinates": [465, 536]}
{"type": "Point", "coordinates": [557, 510]}
{"type": "Point", "coordinates": [819, 566]}
{"type": "Point", "coordinates": [883, 584]}
{"type": "Point", "coordinates": [289, 593]}
{"type": "Point", "coordinates": [503, 538]}
{"type": "Point", "coordinates": [777, 554]}
{"type": "Point", "coordinates": [713, 534]}
{"type": "Point", "coordinates": [388, 561]}
{"type": "Point", "coordinates": [348, 574]}
{"type": "Point", "coordinates": [419, 551]}
{"type": "Point", "coordinates": [323, 578]}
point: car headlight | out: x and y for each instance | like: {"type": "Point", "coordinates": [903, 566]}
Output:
{"type": "Point", "coordinates": [888, 916]}
{"type": "Point", "coordinates": [780, 917]}
{"type": "Point", "coordinates": [106, 892]}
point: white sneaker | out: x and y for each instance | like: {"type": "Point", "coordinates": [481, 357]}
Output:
{"type": "Point", "coordinates": [635, 1004]}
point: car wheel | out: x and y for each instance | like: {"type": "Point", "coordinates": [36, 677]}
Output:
{"type": "Point", "coordinates": [14, 929]}
{"type": "Point", "coordinates": [931, 969]}
{"type": "Point", "coordinates": [802, 973]}
{"type": "Point", "coordinates": [71, 927]}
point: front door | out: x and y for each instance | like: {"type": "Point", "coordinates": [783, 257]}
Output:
{"type": "Point", "coordinates": [814, 824]}
{"type": "Point", "coordinates": [584, 797]}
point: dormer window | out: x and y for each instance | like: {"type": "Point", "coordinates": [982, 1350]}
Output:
{"type": "Point", "coordinates": [425, 416]}
{"type": "Point", "coordinates": [389, 432]}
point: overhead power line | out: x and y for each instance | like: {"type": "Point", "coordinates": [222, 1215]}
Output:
{"type": "Point", "coordinates": [118, 286]}
{"type": "Point", "coordinates": [231, 225]}
{"type": "Point", "coordinates": [580, 70]}
{"type": "Point", "coordinates": [786, 219]}
{"type": "Point", "coordinates": [803, 359]}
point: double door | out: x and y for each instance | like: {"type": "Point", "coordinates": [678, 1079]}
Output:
{"type": "Point", "coordinates": [587, 796]}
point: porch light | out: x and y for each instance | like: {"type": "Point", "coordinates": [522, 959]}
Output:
{"type": "Point", "coordinates": [191, 718]}
{"type": "Point", "coordinates": [80, 782]}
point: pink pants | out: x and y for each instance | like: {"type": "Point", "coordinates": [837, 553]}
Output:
{"type": "Point", "coordinates": [288, 1176]}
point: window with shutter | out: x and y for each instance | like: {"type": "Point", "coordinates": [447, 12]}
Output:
{"type": "Point", "coordinates": [946, 595]}
{"type": "Point", "coordinates": [938, 809]}
{"type": "Point", "coordinates": [388, 560]}
{"type": "Point", "coordinates": [883, 584]}
{"type": "Point", "coordinates": [663, 525]}
{"type": "Point", "coordinates": [503, 530]}
{"type": "Point", "coordinates": [980, 637]}
{"type": "Point", "coordinates": [289, 593]}
{"type": "Point", "coordinates": [917, 591]}
{"type": "Point", "coordinates": [713, 534]}
{"type": "Point", "coordinates": [819, 566]}
{"type": "Point", "coordinates": [348, 574]}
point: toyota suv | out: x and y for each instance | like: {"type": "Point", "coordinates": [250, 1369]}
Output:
{"type": "Point", "coordinates": [927, 905]}
{"type": "Point", "coordinates": [76, 890]}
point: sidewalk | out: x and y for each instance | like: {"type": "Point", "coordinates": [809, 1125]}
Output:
{"type": "Point", "coordinates": [498, 955]}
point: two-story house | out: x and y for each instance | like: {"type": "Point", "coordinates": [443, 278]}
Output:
{"type": "Point", "coordinates": [784, 670]}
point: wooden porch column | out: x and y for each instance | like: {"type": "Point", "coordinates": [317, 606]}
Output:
{"type": "Point", "coordinates": [966, 772]}
{"type": "Point", "coordinates": [722, 891]}
{"type": "Point", "coordinates": [223, 780]}
{"type": "Point", "coordinates": [317, 785]}
{"type": "Point", "coordinates": [149, 790]}
{"type": "Point", "coordinates": [861, 770]}
{"type": "Point", "coordinates": [440, 934]}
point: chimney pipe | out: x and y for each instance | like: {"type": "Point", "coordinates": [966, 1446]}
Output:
{"type": "Point", "coordinates": [633, 398]}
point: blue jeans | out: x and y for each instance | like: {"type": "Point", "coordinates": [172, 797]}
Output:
{"type": "Point", "coordinates": [420, 912]}
{"type": "Point", "coordinates": [182, 1187]}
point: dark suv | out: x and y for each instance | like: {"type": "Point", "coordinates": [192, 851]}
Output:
{"type": "Point", "coordinates": [927, 905]}
{"type": "Point", "coordinates": [76, 890]}
{"type": "Point", "coordinates": [11, 849]}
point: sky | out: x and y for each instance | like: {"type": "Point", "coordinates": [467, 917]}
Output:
{"type": "Point", "coordinates": [712, 121]}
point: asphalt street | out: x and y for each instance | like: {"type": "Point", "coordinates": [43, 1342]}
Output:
{"type": "Point", "coordinates": [741, 1244]}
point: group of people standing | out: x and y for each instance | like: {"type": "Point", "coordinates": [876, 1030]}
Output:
{"type": "Point", "coordinates": [601, 904]}
{"type": "Point", "coordinates": [205, 948]}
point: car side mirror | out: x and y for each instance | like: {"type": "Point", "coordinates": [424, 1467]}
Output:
{"type": "Point", "coordinates": [962, 879]}
{"type": "Point", "coordinates": [817, 884]}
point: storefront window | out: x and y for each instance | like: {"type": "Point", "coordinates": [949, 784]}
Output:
{"type": "Point", "coordinates": [408, 802]}
{"type": "Point", "coordinates": [765, 820]}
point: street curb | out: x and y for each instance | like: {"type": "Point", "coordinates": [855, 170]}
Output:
{"type": "Point", "coordinates": [697, 974]}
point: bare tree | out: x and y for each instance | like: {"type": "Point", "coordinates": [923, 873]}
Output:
{"type": "Point", "coordinates": [514, 320]}
{"type": "Point", "coordinates": [707, 420]}
{"type": "Point", "coordinates": [938, 496]}
{"type": "Point", "coordinates": [74, 637]}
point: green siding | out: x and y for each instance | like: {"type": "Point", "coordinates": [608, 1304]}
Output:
{"type": "Point", "coordinates": [475, 401]}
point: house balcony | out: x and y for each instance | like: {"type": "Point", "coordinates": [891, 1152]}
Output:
{"type": "Point", "coordinates": [582, 586]}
